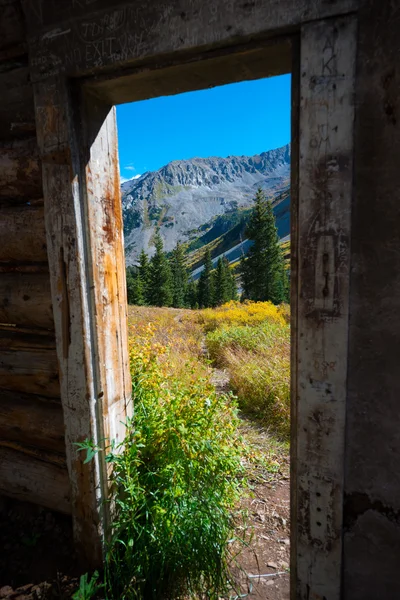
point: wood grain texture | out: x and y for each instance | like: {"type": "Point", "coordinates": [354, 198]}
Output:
{"type": "Point", "coordinates": [25, 299]}
{"type": "Point", "coordinates": [32, 420]}
{"type": "Point", "coordinates": [328, 51]}
{"type": "Point", "coordinates": [30, 479]}
{"type": "Point", "coordinates": [20, 172]}
{"type": "Point", "coordinates": [22, 233]}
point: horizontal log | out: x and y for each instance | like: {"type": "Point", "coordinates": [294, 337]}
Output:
{"type": "Point", "coordinates": [17, 110]}
{"type": "Point", "coordinates": [30, 479]}
{"type": "Point", "coordinates": [28, 363]}
{"type": "Point", "coordinates": [24, 267]}
{"type": "Point", "coordinates": [32, 420]}
{"type": "Point", "coordinates": [25, 338]}
{"type": "Point", "coordinates": [54, 458]}
{"type": "Point", "coordinates": [12, 35]}
{"type": "Point", "coordinates": [22, 233]}
{"type": "Point", "coordinates": [25, 299]}
{"type": "Point", "coordinates": [20, 170]}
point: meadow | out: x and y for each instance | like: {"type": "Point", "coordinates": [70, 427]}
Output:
{"type": "Point", "coordinates": [192, 452]}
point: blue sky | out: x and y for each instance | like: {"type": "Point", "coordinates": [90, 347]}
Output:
{"type": "Point", "coordinates": [237, 119]}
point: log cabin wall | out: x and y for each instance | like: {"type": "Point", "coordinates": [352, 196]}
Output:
{"type": "Point", "coordinates": [32, 447]}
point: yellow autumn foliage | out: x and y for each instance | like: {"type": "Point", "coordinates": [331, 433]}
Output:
{"type": "Point", "coordinates": [242, 313]}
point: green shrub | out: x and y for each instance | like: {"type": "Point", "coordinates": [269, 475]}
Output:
{"type": "Point", "coordinates": [176, 484]}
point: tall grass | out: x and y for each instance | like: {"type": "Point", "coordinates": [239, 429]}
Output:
{"type": "Point", "coordinates": [177, 482]}
{"type": "Point", "coordinates": [253, 343]}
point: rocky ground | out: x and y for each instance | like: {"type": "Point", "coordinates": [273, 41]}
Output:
{"type": "Point", "coordinates": [265, 562]}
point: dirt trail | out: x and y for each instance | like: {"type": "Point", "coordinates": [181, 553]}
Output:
{"type": "Point", "coordinates": [265, 563]}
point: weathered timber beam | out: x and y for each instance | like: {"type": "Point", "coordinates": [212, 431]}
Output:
{"type": "Point", "coordinates": [85, 39]}
{"type": "Point", "coordinates": [22, 233]}
{"type": "Point", "coordinates": [25, 299]}
{"type": "Point", "coordinates": [326, 121]}
{"type": "Point", "coordinates": [20, 171]}
{"type": "Point", "coordinates": [28, 363]}
{"type": "Point", "coordinates": [30, 479]}
{"type": "Point", "coordinates": [32, 420]}
{"type": "Point", "coordinates": [86, 262]}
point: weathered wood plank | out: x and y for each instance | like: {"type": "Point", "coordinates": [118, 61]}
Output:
{"type": "Point", "coordinates": [30, 479]}
{"type": "Point", "coordinates": [17, 111]}
{"type": "Point", "coordinates": [25, 299]}
{"type": "Point", "coordinates": [28, 363]}
{"type": "Point", "coordinates": [32, 420]}
{"type": "Point", "coordinates": [22, 233]}
{"type": "Point", "coordinates": [20, 172]}
{"type": "Point", "coordinates": [328, 51]}
{"type": "Point", "coordinates": [82, 39]}
{"type": "Point", "coordinates": [87, 311]}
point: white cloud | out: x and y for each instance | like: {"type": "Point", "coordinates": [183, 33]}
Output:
{"type": "Point", "coordinates": [129, 168]}
{"type": "Point", "coordinates": [124, 179]}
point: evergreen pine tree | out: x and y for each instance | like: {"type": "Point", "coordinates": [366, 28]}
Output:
{"type": "Point", "coordinates": [144, 274]}
{"type": "Point", "coordinates": [160, 285]}
{"type": "Point", "coordinates": [191, 298]}
{"type": "Point", "coordinates": [206, 283]}
{"type": "Point", "coordinates": [222, 283]}
{"type": "Point", "coordinates": [179, 277]}
{"type": "Point", "coordinates": [232, 285]}
{"type": "Point", "coordinates": [262, 270]}
{"type": "Point", "coordinates": [134, 287]}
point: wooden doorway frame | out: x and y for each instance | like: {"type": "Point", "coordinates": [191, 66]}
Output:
{"type": "Point", "coordinates": [78, 145]}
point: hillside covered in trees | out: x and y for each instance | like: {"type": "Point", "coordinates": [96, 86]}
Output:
{"type": "Point", "coordinates": [164, 280]}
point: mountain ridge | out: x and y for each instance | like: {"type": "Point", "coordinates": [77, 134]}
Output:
{"type": "Point", "coordinates": [183, 197]}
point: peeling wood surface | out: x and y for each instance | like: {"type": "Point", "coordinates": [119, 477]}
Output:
{"type": "Point", "coordinates": [25, 299]}
{"type": "Point", "coordinates": [20, 172]}
{"type": "Point", "coordinates": [28, 363]}
{"type": "Point", "coordinates": [109, 290]}
{"type": "Point", "coordinates": [30, 479]}
{"type": "Point", "coordinates": [22, 233]}
{"type": "Point", "coordinates": [62, 41]}
{"type": "Point", "coordinates": [32, 420]}
{"type": "Point", "coordinates": [328, 51]}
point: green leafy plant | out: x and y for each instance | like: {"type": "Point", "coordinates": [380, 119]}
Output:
{"type": "Point", "coordinates": [88, 588]}
{"type": "Point", "coordinates": [175, 486]}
